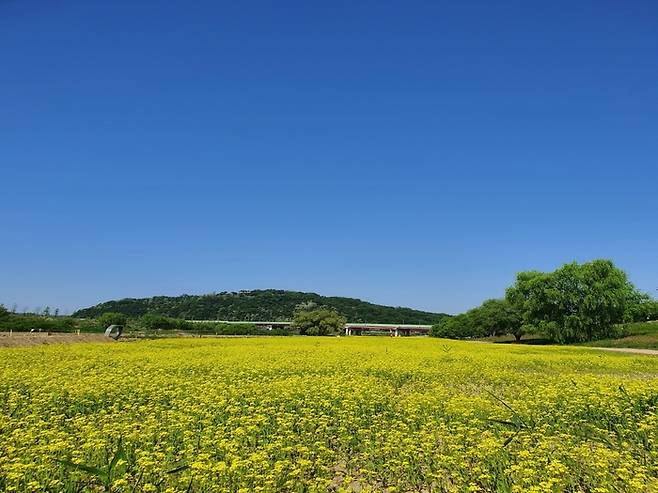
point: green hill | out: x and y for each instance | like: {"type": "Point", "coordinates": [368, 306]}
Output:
{"type": "Point", "coordinates": [269, 304]}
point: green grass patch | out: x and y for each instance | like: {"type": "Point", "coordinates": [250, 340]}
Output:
{"type": "Point", "coordinates": [640, 335]}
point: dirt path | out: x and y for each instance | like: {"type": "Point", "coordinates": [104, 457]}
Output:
{"type": "Point", "coordinates": [651, 352]}
{"type": "Point", "coordinates": [18, 339]}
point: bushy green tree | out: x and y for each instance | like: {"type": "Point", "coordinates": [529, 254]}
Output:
{"type": "Point", "coordinates": [318, 322]}
{"type": "Point", "coordinates": [652, 310]}
{"type": "Point", "coordinates": [4, 313]}
{"type": "Point", "coordinates": [499, 316]}
{"type": "Point", "coordinates": [577, 302]}
{"type": "Point", "coordinates": [154, 322]}
{"type": "Point", "coordinates": [111, 318]}
{"type": "Point", "coordinates": [458, 327]}
{"type": "Point", "coordinates": [641, 309]}
{"type": "Point", "coordinates": [493, 317]}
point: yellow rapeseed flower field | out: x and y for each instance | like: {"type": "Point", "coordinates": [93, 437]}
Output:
{"type": "Point", "coordinates": [326, 414]}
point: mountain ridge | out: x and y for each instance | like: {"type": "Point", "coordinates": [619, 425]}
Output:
{"type": "Point", "coordinates": [259, 304]}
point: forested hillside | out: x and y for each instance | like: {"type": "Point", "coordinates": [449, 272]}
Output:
{"type": "Point", "coordinates": [270, 305]}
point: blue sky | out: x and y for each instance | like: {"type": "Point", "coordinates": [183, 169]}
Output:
{"type": "Point", "coordinates": [406, 153]}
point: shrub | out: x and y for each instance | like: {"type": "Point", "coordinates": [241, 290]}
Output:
{"type": "Point", "coordinates": [152, 321]}
{"type": "Point", "coordinates": [111, 318]}
{"type": "Point", "coordinates": [318, 322]}
{"type": "Point", "coordinates": [26, 323]}
{"type": "Point", "coordinates": [493, 317]}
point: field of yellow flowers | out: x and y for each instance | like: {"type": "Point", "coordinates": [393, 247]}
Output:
{"type": "Point", "coordinates": [326, 414]}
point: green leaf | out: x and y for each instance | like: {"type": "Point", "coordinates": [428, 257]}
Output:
{"type": "Point", "coordinates": [120, 454]}
{"type": "Point", "coordinates": [82, 467]}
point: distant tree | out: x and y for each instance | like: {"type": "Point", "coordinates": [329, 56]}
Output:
{"type": "Point", "coordinates": [111, 318]}
{"type": "Point", "coordinates": [577, 302]}
{"type": "Point", "coordinates": [499, 316]}
{"type": "Point", "coordinates": [57, 312]}
{"type": "Point", "coordinates": [4, 313]}
{"type": "Point", "coordinates": [460, 326]}
{"type": "Point", "coordinates": [46, 311]}
{"type": "Point", "coordinates": [306, 306]}
{"type": "Point", "coordinates": [652, 310]}
{"type": "Point", "coordinates": [318, 322]}
{"type": "Point", "coordinates": [493, 317]}
{"type": "Point", "coordinates": [641, 308]}
{"type": "Point", "coordinates": [157, 322]}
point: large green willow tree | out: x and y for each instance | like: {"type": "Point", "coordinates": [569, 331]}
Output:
{"type": "Point", "coordinates": [577, 302]}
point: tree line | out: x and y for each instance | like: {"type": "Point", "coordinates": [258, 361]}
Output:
{"type": "Point", "coordinates": [308, 319]}
{"type": "Point", "coordinates": [574, 303]}
{"type": "Point", "coordinates": [153, 322]}
{"type": "Point", "coordinates": [10, 321]}
{"type": "Point", "coordinates": [30, 323]}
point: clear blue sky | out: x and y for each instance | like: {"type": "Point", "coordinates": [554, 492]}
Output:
{"type": "Point", "coordinates": [406, 153]}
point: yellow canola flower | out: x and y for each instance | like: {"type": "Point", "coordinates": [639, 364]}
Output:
{"type": "Point", "coordinates": [326, 414]}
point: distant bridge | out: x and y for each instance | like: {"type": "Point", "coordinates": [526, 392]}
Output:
{"type": "Point", "coordinates": [392, 329]}
{"type": "Point", "coordinates": [351, 328]}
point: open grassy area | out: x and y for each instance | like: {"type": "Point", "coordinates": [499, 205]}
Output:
{"type": "Point", "coordinates": [531, 339]}
{"type": "Point", "coordinates": [641, 335]}
{"type": "Point", "coordinates": [326, 414]}
{"type": "Point", "coordinates": [638, 335]}
{"type": "Point", "coordinates": [18, 339]}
